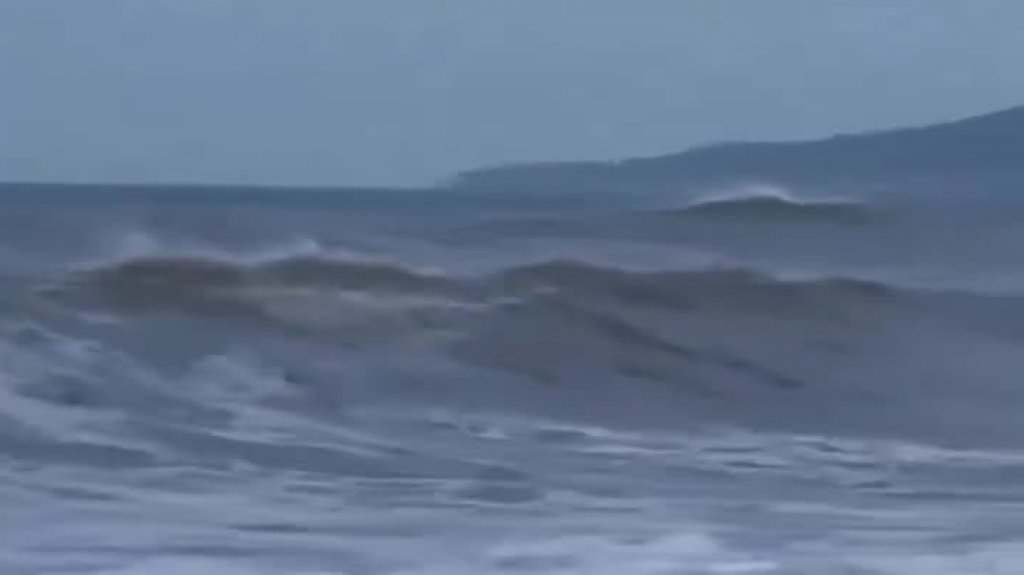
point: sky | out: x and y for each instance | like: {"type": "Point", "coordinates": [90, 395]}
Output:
{"type": "Point", "coordinates": [407, 92]}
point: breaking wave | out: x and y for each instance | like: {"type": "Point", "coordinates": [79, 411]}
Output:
{"type": "Point", "coordinates": [768, 204]}
{"type": "Point", "coordinates": [204, 282]}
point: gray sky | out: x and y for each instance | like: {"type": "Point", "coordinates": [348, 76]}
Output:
{"type": "Point", "coordinates": [408, 91]}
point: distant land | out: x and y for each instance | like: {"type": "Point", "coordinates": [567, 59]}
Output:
{"type": "Point", "coordinates": [983, 155]}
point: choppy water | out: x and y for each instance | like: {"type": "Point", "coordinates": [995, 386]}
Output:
{"type": "Point", "coordinates": [449, 384]}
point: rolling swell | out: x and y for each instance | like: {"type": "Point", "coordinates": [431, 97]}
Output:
{"type": "Point", "coordinates": [640, 324]}
{"type": "Point", "coordinates": [167, 281]}
{"type": "Point", "coordinates": [779, 209]}
{"type": "Point", "coordinates": [745, 341]}
{"type": "Point", "coordinates": [225, 286]}
{"type": "Point", "coordinates": [193, 272]}
{"type": "Point", "coordinates": [707, 289]}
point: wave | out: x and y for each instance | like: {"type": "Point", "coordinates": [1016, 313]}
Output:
{"type": "Point", "coordinates": [170, 274]}
{"type": "Point", "coordinates": [709, 336]}
{"type": "Point", "coordinates": [735, 289]}
{"type": "Point", "coordinates": [313, 288]}
{"type": "Point", "coordinates": [770, 205]}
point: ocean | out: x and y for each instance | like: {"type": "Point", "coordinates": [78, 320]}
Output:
{"type": "Point", "coordinates": [745, 382]}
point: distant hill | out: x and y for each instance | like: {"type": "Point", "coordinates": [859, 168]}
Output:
{"type": "Point", "coordinates": [984, 153]}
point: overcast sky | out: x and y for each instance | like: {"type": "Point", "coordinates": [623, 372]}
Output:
{"type": "Point", "coordinates": [408, 91]}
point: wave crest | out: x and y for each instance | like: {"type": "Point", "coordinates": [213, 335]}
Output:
{"type": "Point", "coordinates": [732, 288]}
{"type": "Point", "coordinates": [774, 205]}
{"type": "Point", "coordinates": [194, 273]}
{"type": "Point", "coordinates": [357, 299]}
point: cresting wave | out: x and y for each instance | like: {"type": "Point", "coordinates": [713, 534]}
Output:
{"type": "Point", "coordinates": [780, 208]}
{"type": "Point", "coordinates": [736, 344]}
{"type": "Point", "coordinates": [173, 281]}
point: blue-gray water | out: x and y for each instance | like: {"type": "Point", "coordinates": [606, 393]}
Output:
{"type": "Point", "coordinates": [430, 383]}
